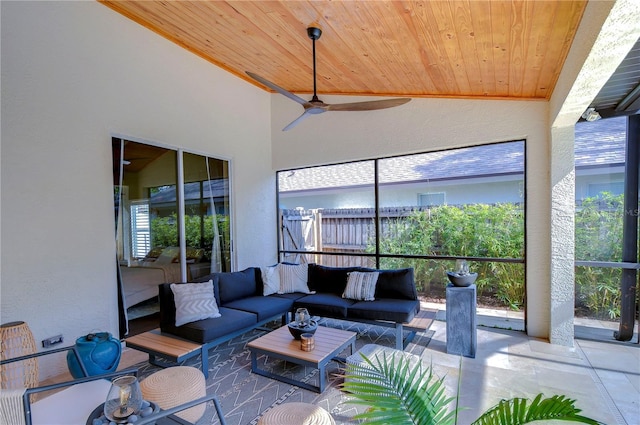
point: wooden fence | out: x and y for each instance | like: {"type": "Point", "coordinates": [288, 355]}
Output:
{"type": "Point", "coordinates": [344, 231]}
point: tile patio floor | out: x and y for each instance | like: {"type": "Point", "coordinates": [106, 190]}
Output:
{"type": "Point", "coordinates": [603, 377]}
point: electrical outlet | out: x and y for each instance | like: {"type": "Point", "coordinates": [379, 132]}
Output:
{"type": "Point", "coordinates": [53, 340]}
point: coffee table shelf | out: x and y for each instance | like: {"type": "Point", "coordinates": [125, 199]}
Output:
{"type": "Point", "coordinates": [280, 344]}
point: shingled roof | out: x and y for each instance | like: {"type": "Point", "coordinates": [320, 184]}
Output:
{"type": "Point", "coordinates": [597, 143]}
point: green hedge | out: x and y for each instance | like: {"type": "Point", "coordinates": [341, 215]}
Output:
{"type": "Point", "coordinates": [497, 231]}
{"type": "Point", "coordinates": [477, 230]}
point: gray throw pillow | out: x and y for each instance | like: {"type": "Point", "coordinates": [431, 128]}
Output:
{"type": "Point", "coordinates": [194, 301]}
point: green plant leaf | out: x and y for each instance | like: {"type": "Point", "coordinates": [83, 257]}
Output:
{"type": "Point", "coordinates": [397, 392]}
{"type": "Point", "coordinates": [400, 394]}
{"type": "Point", "coordinates": [517, 411]}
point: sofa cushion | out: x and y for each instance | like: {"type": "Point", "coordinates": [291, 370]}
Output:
{"type": "Point", "coordinates": [203, 331]}
{"type": "Point", "coordinates": [194, 301]}
{"type": "Point", "coordinates": [361, 286]}
{"type": "Point", "coordinates": [291, 296]}
{"type": "Point", "coordinates": [261, 306]}
{"type": "Point", "coordinates": [394, 310]}
{"type": "Point", "coordinates": [324, 305]}
{"type": "Point", "coordinates": [236, 285]}
{"type": "Point", "coordinates": [328, 279]}
{"type": "Point", "coordinates": [398, 283]}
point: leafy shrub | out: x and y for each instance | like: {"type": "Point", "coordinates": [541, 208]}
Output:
{"type": "Point", "coordinates": [477, 230]}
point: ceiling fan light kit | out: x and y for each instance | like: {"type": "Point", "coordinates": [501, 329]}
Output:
{"type": "Point", "coordinates": [315, 105]}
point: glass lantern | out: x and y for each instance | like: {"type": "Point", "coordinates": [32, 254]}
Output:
{"type": "Point", "coordinates": [124, 399]}
{"type": "Point", "coordinates": [302, 317]}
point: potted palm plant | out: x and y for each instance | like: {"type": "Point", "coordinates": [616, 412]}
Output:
{"type": "Point", "coordinates": [399, 393]}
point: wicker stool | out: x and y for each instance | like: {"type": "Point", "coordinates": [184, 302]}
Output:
{"type": "Point", "coordinates": [174, 386]}
{"type": "Point", "coordinates": [296, 414]}
{"type": "Point", "coordinates": [17, 340]}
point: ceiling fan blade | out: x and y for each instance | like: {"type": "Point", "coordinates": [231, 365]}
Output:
{"type": "Point", "coordinates": [296, 121]}
{"type": "Point", "coordinates": [368, 105]}
{"type": "Point", "coordinates": [276, 88]}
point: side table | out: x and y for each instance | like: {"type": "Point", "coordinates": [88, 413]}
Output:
{"type": "Point", "coordinates": [461, 320]}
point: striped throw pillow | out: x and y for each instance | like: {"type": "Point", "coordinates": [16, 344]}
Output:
{"type": "Point", "coordinates": [361, 286]}
{"type": "Point", "coordinates": [293, 278]}
{"type": "Point", "coordinates": [194, 301]}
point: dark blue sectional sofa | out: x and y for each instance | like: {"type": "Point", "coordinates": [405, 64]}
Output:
{"type": "Point", "coordinates": [243, 307]}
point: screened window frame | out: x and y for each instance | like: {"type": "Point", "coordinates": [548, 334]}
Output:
{"type": "Point", "coordinates": [378, 255]}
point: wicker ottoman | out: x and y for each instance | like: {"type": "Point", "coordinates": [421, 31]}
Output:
{"type": "Point", "coordinates": [174, 386]}
{"type": "Point", "coordinates": [296, 414]}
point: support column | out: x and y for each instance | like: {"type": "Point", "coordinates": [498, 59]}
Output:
{"type": "Point", "coordinates": [562, 291]}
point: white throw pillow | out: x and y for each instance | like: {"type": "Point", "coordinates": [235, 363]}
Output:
{"type": "Point", "coordinates": [194, 301]}
{"type": "Point", "coordinates": [361, 286]}
{"type": "Point", "coordinates": [293, 278]}
{"type": "Point", "coordinates": [270, 279]}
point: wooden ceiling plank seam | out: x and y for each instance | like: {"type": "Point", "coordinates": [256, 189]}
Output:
{"type": "Point", "coordinates": [253, 31]}
{"type": "Point", "coordinates": [432, 37]}
{"type": "Point", "coordinates": [347, 24]}
{"type": "Point", "coordinates": [480, 12]}
{"type": "Point", "coordinates": [411, 49]}
{"type": "Point", "coordinates": [308, 15]}
{"type": "Point", "coordinates": [132, 12]}
{"type": "Point", "coordinates": [449, 38]}
{"type": "Point", "coordinates": [517, 46]}
{"type": "Point", "coordinates": [538, 47]}
{"type": "Point", "coordinates": [204, 39]}
{"type": "Point", "coordinates": [466, 36]}
{"type": "Point", "coordinates": [389, 48]}
{"type": "Point", "coordinates": [500, 23]}
{"type": "Point", "coordinates": [368, 20]}
{"type": "Point", "coordinates": [426, 59]}
{"type": "Point", "coordinates": [392, 47]}
{"type": "Point", "coordinates": [342, 24]}
{"type": "Point", "coordinates": [566, 20]}
{"type": "Point", "coordinates": [290, 66]}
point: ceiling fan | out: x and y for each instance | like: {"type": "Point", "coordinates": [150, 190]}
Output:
{"type": "Point", "coordinates": [316, 106]}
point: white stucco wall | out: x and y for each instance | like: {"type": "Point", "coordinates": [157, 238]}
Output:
{"type": "Point", "coordinates": [73, 74]}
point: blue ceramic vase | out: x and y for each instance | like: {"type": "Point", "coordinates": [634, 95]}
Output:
{"type": "Point", "coordinates": [99, 352]}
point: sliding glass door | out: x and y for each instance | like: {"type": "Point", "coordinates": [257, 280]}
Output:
{"type": "Point", "coordinates": [172, 212]}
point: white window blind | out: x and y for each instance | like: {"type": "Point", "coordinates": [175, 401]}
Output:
{"type": "Point", "coordinates": [140, 229]}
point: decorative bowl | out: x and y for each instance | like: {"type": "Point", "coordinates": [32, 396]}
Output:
{"type": "Point", "coordinates": [462, 279]}
{"type": "Point", "coordinates": [297, 330]}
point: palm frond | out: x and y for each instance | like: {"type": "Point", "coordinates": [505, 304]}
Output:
{"type": "Point", "coordinates": [397, 392]}
{"type": "Point", "coordinates": [517, 411]}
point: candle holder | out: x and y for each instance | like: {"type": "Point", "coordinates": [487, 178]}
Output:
{"type": "Point", "coordinates": [307, 342]}
{"type": "Point", "coordinates": [124, 399]}
{"type": "Point", "coordinates": [302, 317]}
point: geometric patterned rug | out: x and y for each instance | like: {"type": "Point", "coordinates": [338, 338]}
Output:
{"type": "Point", "coordinates": [245, 396]}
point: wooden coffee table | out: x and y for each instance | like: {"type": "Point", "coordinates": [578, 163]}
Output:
{"type": "Point", "coordinates": [280, 344]}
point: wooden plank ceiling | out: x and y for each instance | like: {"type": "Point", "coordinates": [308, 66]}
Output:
{"type": "Point", "coordinates": [463, 49]}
